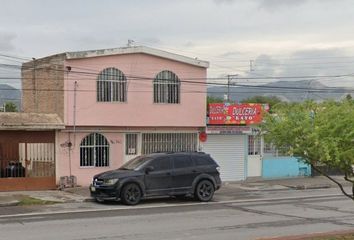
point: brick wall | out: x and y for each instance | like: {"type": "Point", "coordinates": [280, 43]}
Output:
{"type": "Point", "coordinates": [43, 85]}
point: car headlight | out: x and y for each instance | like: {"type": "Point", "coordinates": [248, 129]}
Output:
{"type": "Point", "coordinates": [111, 181]}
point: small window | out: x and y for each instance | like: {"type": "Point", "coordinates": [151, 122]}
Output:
{"type": "Point", "coordinates": [254, 145]}
{"type": "Point", "coordinates": [161, 164]}
{"type": "Point", "coordinates": [94, 151]}
{"type": "Point", "coordinates": [131, 144]}
{"type": "Point", "coordinates": [182, 161]}
{"type": "Point", "coordinates": [203, 160]}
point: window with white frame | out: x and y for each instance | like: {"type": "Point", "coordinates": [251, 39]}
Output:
{"type": "Point", "coordinates": [111, 86]}
{"type": "Point", "coordinates": [131, 144]}
{"type": "Point", "coordinates": [94, 151]}
{"type": "Point", "coordinates": [169, 142]}
{"type": "Point", "coordinates": [166, 88]}
{"type": "Point", "coordinates": [254, 145]}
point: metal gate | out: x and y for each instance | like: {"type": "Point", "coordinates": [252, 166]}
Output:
{"type": "Point", "coordinates": [229, 152]}
{"type": "Point", "coordinates": [27, 160]}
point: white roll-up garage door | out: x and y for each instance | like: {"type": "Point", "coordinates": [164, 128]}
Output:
{"type": "Point", "coordinates": [229, 152]}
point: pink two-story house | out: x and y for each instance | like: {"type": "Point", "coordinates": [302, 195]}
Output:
{"type": "Point", "coordinates": [117, 104]}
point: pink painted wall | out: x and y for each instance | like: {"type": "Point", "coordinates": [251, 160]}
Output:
{"type": "Point", "coordinates": [139, 110]}
{"type": "Point", "coordinates": [70, 165]}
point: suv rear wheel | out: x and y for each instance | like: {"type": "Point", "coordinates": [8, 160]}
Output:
{"type": "Point", "coordinates": [131, 194]}
{"type": "Point", "coordinates": [204, 191]}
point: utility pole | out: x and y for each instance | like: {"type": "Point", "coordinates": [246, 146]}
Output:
{"type": "Point", "coordinates": [251, 65]}
{"type": "Point", "coordinates": [229, 78]}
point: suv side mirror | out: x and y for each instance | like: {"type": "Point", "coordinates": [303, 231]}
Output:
{"type": "Point", "coordinates": [149, 169]}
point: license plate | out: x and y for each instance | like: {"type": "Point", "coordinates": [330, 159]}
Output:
{"type": "Point", "coordinates": [93, 189]}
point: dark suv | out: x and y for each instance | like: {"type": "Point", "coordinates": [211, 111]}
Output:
{"type": "Point", "coordinates": [159, 174]}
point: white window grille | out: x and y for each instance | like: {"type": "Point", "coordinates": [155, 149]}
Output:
{"type": "Point", "coordinates": [131, 144]}
{"type": "Point", "coordinates": [271, 150]}
{"type": "Point", "coordinates": [94, 151]}
{"type": "Point", "coordinates": [111, 86]}
{"type": "Point", "coordinates": [166, 88]}
{"type": "Point", "coordinates": [169, 142]}
{"type": "Point", "coordinates": [254, 145]}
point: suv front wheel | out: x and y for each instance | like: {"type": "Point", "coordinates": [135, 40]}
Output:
{"type": "Point", "coordinates": [204, 191]}
{"type": "Point", "coordinates": [131, 194]}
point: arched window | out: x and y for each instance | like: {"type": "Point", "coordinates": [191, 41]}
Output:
{"type": "Point", "coordinates": [94, 151]}
{"type": "Point", "coordinates": [111, 86]}
{"type": "Point", "coordinates": [166, 88]}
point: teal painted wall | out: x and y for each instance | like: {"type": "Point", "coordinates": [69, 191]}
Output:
{"type": "Point", "coordinates": [280, 167]}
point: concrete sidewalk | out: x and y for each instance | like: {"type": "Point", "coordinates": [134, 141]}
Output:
{"type": "Point", "coordinates": [229, 190]}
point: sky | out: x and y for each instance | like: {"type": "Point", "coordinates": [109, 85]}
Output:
{"type": "Point", "coordinates": [257, 40]}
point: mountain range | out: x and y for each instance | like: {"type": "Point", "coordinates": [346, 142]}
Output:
{"type": "Point", "coordinates": [10, 94]}
{"type": "Point", "coordinates": [290, 91]}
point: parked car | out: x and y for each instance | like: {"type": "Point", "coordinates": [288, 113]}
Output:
{"type": "Point", "coordinates": [193, 174]}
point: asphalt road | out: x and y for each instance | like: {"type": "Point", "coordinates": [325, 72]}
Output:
{"type": "Point", "coordinates": [296, 213]}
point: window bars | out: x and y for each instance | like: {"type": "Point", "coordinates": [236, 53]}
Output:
{"type": "Point", "coordinates": [131, 144]}
{"type": "Point", "coordinates": [111, 86]}
{"type": "Point", "coordinates": [167, 88]}
{"type": "Point", "coordinates": [254, 145]}
{"type": "Point", "coordinates": [94, 151]}
{"type": "Point", "coordinates": [169, 142]}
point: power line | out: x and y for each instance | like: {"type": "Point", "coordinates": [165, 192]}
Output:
{"type": "Point", "coordinates": [214, 78]}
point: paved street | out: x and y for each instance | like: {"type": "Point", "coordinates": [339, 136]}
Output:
{"type": "Point", "coordinates": [271, 213]}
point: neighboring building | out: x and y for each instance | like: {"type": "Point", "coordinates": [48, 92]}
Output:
{"type": "Point", "coordinates": [117, 104]}
{"type": "Point", "coordinates": [27, 150]}
{"type": "Point", "coordinates": [228, 145]}
{"type": "Point", "coordinates": [234, 141]}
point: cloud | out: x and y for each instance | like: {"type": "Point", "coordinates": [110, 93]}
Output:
{"type": "Point", "coordinates": [276, 4]}
{"type": "Point", "coordinates": [224, 1]}
{"type": "Point", "coordinates": [265, 64]}
{"type": "Point", "coordinates": [232, 54]}
{"type": "Point", "coordinates": [6, 41]}
{"type": "Point", "coordinates": [313, 62]}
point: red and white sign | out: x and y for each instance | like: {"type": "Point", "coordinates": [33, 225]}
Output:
{"type": "Point", "coordinates": [237, 114]}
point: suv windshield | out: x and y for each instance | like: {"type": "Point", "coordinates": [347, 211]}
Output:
{"type": "Point", "coordinates": [135, 163]}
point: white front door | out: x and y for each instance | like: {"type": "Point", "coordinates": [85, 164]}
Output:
{"type": "Point", "coordinates": [254, 160]}
{"type": "Point", "coordinates": [254, 168]}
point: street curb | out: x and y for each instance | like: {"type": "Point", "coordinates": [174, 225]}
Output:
{"type": "Point", "coordinates": [9, 204]}
{"type": "Point", "coordinates": [311, 235]}
{"type": "Point", "coordinates": [88, 200]}
{"type": "Point", "coordinates": [304, 187]}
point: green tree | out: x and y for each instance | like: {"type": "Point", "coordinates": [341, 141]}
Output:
{"type": "Point", "coordinates": [316, 133]}
{"type": "Point", "coordinates": [272, 100]}
{"type": "Point", "coordinates": [214, 100]}
{"type": "Point", "coordinates": [10, 107]}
